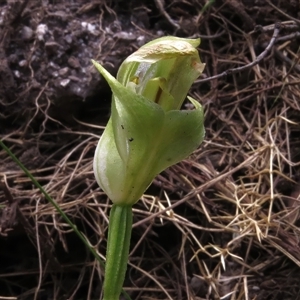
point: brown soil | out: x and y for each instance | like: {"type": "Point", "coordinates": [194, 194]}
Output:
{"type": "Point", "coordinates": [233, 229]}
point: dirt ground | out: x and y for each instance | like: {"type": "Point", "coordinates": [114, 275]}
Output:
{"type": "Point", "coordinates": [232, 228]}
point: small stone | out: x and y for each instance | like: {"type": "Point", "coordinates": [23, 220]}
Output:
{"type": "Point", "coordinates": [90, 28]}
{"type": "Point", "coordinates": [63, 71]}
{"type": "Point", "coordinates": [68, 39]}
{"type": "Point", "coordinates": [55, 74]}
{"type": "Point", "coordinates": [64, 82]}
{"type": "Point", "coordinates": [73, 62]}
{"type": "Point", "coordinates": [51, 47]}
{"type": "Point", "coordinates": [74, 78]}
{"type": "Point", "coordinates": [41, 31]}
{"type": "Point", "coordinates": [23, 63]}
{"type": "Point", "coordinates": [17, 74]}
{"type": "Point", "coordinates": [127, 36]}
{"type": "Point", "coordinates": [27, 33]}
{"type": "Point", "coordinates": [53, 65]}
{"type": "Point", "coordinates": [141, 40]}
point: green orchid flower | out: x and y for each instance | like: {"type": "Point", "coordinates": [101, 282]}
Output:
{"type": "Point", "coordinates": [147, 132]}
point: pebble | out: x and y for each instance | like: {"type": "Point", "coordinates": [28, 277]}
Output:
{"type": "Point", "coordinates": [41, 30]}
{"type": "Point", "coordinates": [73, 62]}
{"type": "Point", "coordinates": [51, 47]}
{"type": "Point", "coordinates": [23, 63]}
{"type": "Point", "coordinates": [27, 33]}
{"type": "Point", "coordinates": [64, 82]}
{"type": "Point", "coordinates": [63, 71]}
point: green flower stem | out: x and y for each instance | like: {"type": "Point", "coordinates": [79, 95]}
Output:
{"type": "Point", "coordinates": [119, 233]}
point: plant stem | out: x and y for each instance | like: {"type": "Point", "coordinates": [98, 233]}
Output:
{"type": "Point", "coordinates": [119, 233]}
